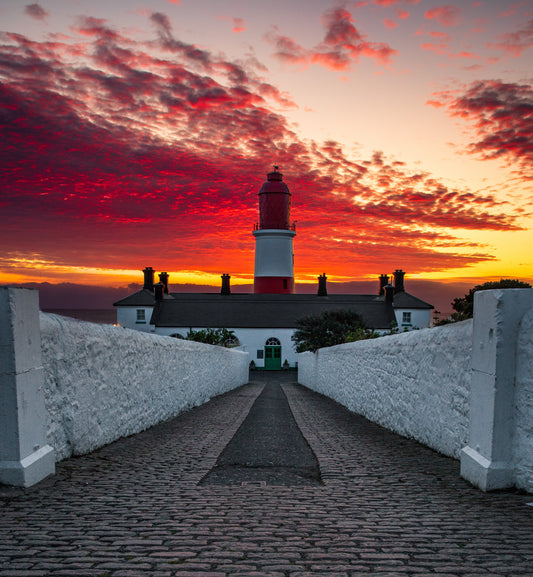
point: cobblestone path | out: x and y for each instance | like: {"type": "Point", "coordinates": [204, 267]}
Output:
{"type": "Point", "coordinates": [268, 448]}
{"type": "Point", "coordinates": [387, 507]}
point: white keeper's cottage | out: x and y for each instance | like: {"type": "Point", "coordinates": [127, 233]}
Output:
{"type": "Point", "coordinates": [265, 320]}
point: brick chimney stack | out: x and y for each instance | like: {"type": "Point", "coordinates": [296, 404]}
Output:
{"type": "Point", "coordinates": [322, 287]}
{"type": "Point", "coordinates": [226, 289]}
{"type": "Point", "coordinates": [398, 281]}
{"type": "Point", "coordinates": [148, 278]}
{"type": "Point", "coordinates": [383, 282]}
{"type": "Point", "coordinates": [163, 279]}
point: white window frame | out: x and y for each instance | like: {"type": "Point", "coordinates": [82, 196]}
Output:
{"type": "Point", "coordinates": [407, 317]}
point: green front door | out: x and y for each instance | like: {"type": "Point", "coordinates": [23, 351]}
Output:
{"type": "Point", "coordinates": [272, 358]}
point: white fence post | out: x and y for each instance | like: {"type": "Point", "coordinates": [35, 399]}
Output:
{"type": "Point", "coordinates": [487, 460]}
{"type": "Point", "coordinates": [25, 457]}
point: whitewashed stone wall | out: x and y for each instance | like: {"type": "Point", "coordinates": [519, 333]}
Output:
{"type": "Point", "coordinates": [104, 382]}
{"type": "Point", "coordinates": [523, 406]}
{"type": "Point", "coordinates": [416, 383]}
{"type": "Point", "coordinates": [465, 389]}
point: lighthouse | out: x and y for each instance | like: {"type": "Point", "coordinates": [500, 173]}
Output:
{"type": "Point", "coordinates": [274, 258]}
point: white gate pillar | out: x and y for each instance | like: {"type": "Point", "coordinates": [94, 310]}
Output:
{"type": "Point", "coordinates": [487, 460]}
{"type": "Point", "coordinates": [25, 457]}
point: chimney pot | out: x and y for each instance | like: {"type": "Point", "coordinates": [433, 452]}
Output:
{"type": "Point", "coordinates": [148, 278]}
{"type": "Point", "coordinates": [322, 287]}
{"type": "Point", "coordinates": [383, 282]}
{"type": "Point", "coordinates": [163, 279]}
{"type": "Point", "coordinates": [225, 290]}
{"type": "Point", "coordinates": [399, 281]}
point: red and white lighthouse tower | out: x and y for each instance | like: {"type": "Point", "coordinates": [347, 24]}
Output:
{"type": "Point", "coordinates": [274, 258]}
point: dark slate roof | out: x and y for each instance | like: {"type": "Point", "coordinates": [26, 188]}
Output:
{"type": "Point", "coordinates": [263, 310]}
{"type": "Point", "coordinates": [141, 298]}
{"type": "Point", "coordinates": [403, 300]}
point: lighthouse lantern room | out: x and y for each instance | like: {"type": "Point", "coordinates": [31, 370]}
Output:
{"type": "Point", "coordinates": [274, 258]}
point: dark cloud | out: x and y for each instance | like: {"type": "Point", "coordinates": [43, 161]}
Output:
{"type": "Point", "coordinates": [95, 27]}
{"type": "Point", "coordinates": [110, 154]}
{"type": "Point", "coordinates": [168, 42]}
{"type": "Point", "coordinates": [502, 114]}
{"type": "Point", "coordinates": [36, 11]}
{"type": "Point", "coordinates": [342, 46]}
{"type": "Point", "coordinates": [514, 43]}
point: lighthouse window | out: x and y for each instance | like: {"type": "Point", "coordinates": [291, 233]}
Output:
{"type": "Point", "coordinates": [285, 283]}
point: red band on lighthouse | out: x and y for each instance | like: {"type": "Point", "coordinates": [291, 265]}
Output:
{"type": "Point", "coordinates": [273, 285]}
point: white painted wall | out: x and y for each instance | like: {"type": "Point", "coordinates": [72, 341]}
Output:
{"type": "Point", "coordinates": [523, 404]}
{"type": "Point", "coordinates": [252, 340]}
{"type": "Point", "coordinates": [420, 319]}
{"type": "Point", "coordinates": [25, 456]}
{"type": "Point", "coordinates": [414, 383]}
{"type": "Point", "coordinates": [127, 317]}
{"type": "Point", "coordinates": [499, 340]}
{"type": "Point", "coordinates": [255, 339]}
{"type": "Point", "coordinates": [464, 389]}
{"type": "Point", "coordinates": [103, 382]}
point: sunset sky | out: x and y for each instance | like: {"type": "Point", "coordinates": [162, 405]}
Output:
{"type": "Point", "coordinates": [138, 133]}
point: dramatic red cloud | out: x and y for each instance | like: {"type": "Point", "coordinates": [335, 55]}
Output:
{"type": "Point", "coordinates": [36, 11]}
{"type": "Point", "coordinates": [444, 49]}
{"type": "Point", "coordinates": [436, 48]}
{"type": "Point", "coordinates": [444, 15]}
{"type": "Point", "coordinates": [394, 2]}
{"type": "Point", "coordinates": [502, 114]}
{"type": "Point", "coordinates": [343, 44]}
{"type": "Point", "coordinates": [390, 24]}
{"type": "Point", "coordinates": [442, 35]}
{"type": "Point", "coordinates": [121, 153]}
{"type": "Point", "coordinates": [238, 25]}
{"type": "Point", "coordinates": [515, 43]}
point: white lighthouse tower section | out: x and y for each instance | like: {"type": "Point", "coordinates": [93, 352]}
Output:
{"type": "Point", "coordinates": [274, 253]}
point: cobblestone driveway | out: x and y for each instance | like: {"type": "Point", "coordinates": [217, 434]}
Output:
{"type": "Point", "coordinates": [388, 507]}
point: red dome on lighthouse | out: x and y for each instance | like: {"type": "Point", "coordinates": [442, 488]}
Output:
{"type": "Point", "coordinates": [274, 202]}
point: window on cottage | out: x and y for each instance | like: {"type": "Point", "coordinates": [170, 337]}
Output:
{"type": "Point", "coordinates": [406, 318]}
{"type": "Point", "coordinates": [260, 353]}
{"type": "Point", "coordinates": [141, 315]}
{"type": "Point", "coordinates": [273, 342]}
